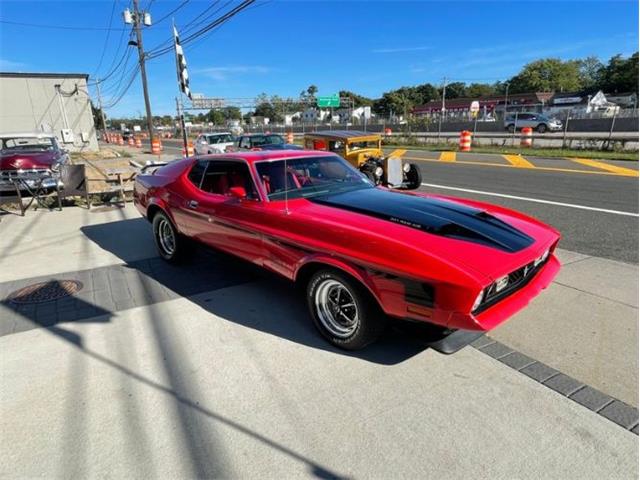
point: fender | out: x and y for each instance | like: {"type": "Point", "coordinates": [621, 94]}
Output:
{"type": "Point", "coordinates": [159, 203]}
{"type": "Point", "coordinates": [359, 273]}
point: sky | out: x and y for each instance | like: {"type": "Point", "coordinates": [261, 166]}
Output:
{"type": "Point", "coordinates": [282, 47]}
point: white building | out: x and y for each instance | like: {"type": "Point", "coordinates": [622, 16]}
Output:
{"type": "Point", "coordinates": [56, 103]}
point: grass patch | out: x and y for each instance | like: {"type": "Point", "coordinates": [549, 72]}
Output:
{"type": "Point", "coordinates": [534, 152]}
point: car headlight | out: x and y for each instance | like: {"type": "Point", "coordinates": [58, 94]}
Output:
{"type": "Point", "coordinates": [406, 167]}
{"type": "Point", "coordinates": [541, 258]}
{"type": "Point", "coordinates": [501, 284]}
{"type": "Point", "coordinates": [378, 172]}
{"type": "Point", "coordinates": [478, 301]}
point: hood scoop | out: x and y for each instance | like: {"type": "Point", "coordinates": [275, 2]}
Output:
{"type": "Point", "coordinates": [431, 215]}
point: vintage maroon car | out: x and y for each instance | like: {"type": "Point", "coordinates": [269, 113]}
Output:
{"type": "Point", "coordinates": [364, 253]}
{"type": "Point", "coordinates": [34, 157]}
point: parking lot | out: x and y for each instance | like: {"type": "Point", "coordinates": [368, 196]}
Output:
{"type": "Point", "coordinates": [215, 369]}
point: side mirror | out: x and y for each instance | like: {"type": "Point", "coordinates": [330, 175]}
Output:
{"type": "Point", "coordinates": [238, 192]}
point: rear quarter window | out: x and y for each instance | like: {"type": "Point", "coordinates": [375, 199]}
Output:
{"type": "Point", "coordinates": [196, 173]}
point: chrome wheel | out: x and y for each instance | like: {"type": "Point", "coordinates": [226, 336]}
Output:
{"type": "Point", "coordinates": [336, 308]}
{"type": "Point", "coordinates": [166, 237]}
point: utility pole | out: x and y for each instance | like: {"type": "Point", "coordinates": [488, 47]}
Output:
{"type": "Point", "coordinates": [137, 17]}
{"type": "Point", "coordinates": [104, 122]}
{"type": "Point", "coordinates": [506, 98]}
{"type": "Point", "coordinates": [444, 93]}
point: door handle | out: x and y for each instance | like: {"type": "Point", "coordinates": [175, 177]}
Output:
{"type": "Point", "coordinates": [192, 204]}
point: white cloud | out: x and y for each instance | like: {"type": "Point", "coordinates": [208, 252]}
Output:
{"type": "Point", "coordinates": [223, 73]}
{"type": "Point", "coordinates": [400, 49]}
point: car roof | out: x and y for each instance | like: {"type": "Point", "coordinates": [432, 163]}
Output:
{"type": "Point", "coordinates": [261, 155]}
{"type": "Point", "coordinates": [343, 134]}
{"type": "Point", "coordinates": [259, 134]}
{"type": "Point", "coordinates": [216, 133]}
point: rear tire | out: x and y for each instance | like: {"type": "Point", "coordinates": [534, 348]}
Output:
{"type": "Point", "coordinates": [511, 128]}
{"type": "Point", "coordinates": [541, 128]}
{"type": "Point", "coordinates": [170, 244]}
{"type": "Point", "coordinates": [343, 311]}
{"type": "Point", "coordinates": [414, 177]}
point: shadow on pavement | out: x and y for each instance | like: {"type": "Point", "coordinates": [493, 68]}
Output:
{"type": "Point", "coordinates": [208, 271]}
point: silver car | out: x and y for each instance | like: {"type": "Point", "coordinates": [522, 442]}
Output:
{"type": "Point", "coordinates": [207, 143]}
{"type": "Point", "coordinates": [539, 122]}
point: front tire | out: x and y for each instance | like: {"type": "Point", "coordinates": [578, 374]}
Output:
{"type": "Point", "coordinates": [511, 128]}
{"type": "Point", "coordinates": [542, 128]}
{"type": "Point", "coordinates": [414, 177]}
{"type": "Point", "coordinates": [169, 242]}
{"type": "Point", "coordinates": [343, 311]}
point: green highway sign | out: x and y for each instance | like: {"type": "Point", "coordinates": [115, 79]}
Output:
{"type": "Point", "coordinates": [332, 101]}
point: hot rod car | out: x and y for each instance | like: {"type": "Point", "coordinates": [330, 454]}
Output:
{"type": "Point", "coordinates": [364, 151]}
{"type": "Point", "coordinates": [363, 253]}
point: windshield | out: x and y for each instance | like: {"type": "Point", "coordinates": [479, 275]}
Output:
{"type": "Point", "coordinates": [266, 140]}
{"type": "Point", "coordinates": [44, 144]}
{"type": "Point", "coordinates": [361, 145]}
{"type": "Point", "coordinates": [223, 138]}
{"type": "Point", "coordinates": [309, 177]}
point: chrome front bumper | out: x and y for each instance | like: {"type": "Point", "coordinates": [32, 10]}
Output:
{"type": "Point", "coordinates": [28, 180]}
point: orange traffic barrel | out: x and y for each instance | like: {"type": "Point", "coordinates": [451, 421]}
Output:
{"type": "Point", "coordinates": [156, 146]}
{"type": "Point", "coordinates": [387, 132]}
{"type": "Point", "coordinates": [290, 137]}
{"type": "Point", "coordinates": [190, 149]}
{"type": "Point", "coordinates": [131, 142]}
{"type": "Point", "coordinates": [527, 137]}
{"type": "Point", "coordinates": [138, 142]}
{"type": "Point", "coordinates": [120, 140]}
{"type": "Point", "coordinates": [465, 141]}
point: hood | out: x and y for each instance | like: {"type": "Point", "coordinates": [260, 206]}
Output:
{"type": "Point", "coordinates": [28, 160]}
{"type": "Point", "coordinates": [432, 215]}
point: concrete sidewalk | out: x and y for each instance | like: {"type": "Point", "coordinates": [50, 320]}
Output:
{"type": "Point", "coordinates": [194, 371]}
{"type": "Point", "coordinates": [234, 383]}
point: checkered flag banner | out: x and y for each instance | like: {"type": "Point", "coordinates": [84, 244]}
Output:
{"type": "Point", "coordinates": [181, 65]}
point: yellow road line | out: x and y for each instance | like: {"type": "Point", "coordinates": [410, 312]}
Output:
{"type": "Point", "coordinates": [447, 157]}
{"type": "Point", "coordinates": [518, 161]}
{"type": "Point", "coordinates": [627, 172]}
{"type": "Point", "coordinates": [398, 153]}
{"type": "Point", "coordinates": [542, 169]}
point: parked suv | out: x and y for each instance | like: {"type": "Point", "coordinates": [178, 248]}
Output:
{"type": "Point", "coordinates": [539, 122]}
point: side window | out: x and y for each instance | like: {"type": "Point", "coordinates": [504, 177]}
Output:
{"type": "Point", "coordinates": [195, 175]}
{"type": "Point", "coordinates": [220, 176]}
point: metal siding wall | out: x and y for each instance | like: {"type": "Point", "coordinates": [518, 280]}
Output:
{"type": "Point", "coordinates": [31, 104]}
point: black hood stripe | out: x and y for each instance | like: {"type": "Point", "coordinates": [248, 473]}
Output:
{"type": "Point", "coordinates": [432, 215]}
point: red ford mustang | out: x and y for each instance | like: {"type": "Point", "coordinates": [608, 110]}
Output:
{"type": "Point", "coordinates": [364, 253]}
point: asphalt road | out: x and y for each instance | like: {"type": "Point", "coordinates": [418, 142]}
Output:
{"type": "Point", "coordinates": [597, 233]}
{"type": "Point", "coordinates": [591, 232]}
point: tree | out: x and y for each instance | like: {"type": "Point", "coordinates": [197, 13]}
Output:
{"type": "Point", "coordinates": [358, 100]}
{"type": "Point", "coordinates": [476, 90]}
{"type": "Point", "coordinates": [547, 75]}
{"type": "Point", "coordinates": [590, 70]}
{"type": "Point", "coordinates": [620, 75]}
{"type": "Point", "coordinates": [232, 113]}
{"type": "Point", "coordinates": [97, 117]}
{"type": "Point", "coordinates": [215, 116]}
{"type": "Point", "coordinates": [456, 90]}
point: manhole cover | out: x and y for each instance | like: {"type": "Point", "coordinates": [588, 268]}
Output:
{"type": "Point", "coordinates": [45, 291]}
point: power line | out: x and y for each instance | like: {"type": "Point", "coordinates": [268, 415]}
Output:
{"type": "Point", "coordinates": [106, 41]}
{"type": "Point", "coordinates": [216, 23]}
{"type": "Point", "coordinates": [59, 27]}
{"type": "Point", "coordinates": [164, 17]}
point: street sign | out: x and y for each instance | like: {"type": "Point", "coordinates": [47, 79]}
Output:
{"type": "Point", "coordinates": [207, 103]}
{"type": "Point", "coordinates": [332, 101]}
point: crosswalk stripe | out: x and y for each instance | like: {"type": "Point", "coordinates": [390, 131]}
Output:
{"type": "Point", "coordinates": [518, 161]}
{"type": "Point", "coordinates": [627, 172]}
{"type": "Point", "coordinates": [447, 157]}
{"type": "Point", "coordinates": [398, 153]}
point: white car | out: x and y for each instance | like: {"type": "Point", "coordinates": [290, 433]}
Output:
{"type": "Point", "coordinates": [207, 143]}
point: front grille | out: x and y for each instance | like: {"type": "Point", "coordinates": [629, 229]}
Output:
{"type": "Point", "coordinates": [29, 174]}
{"type": "Point", "coordinates": [517, 279]}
